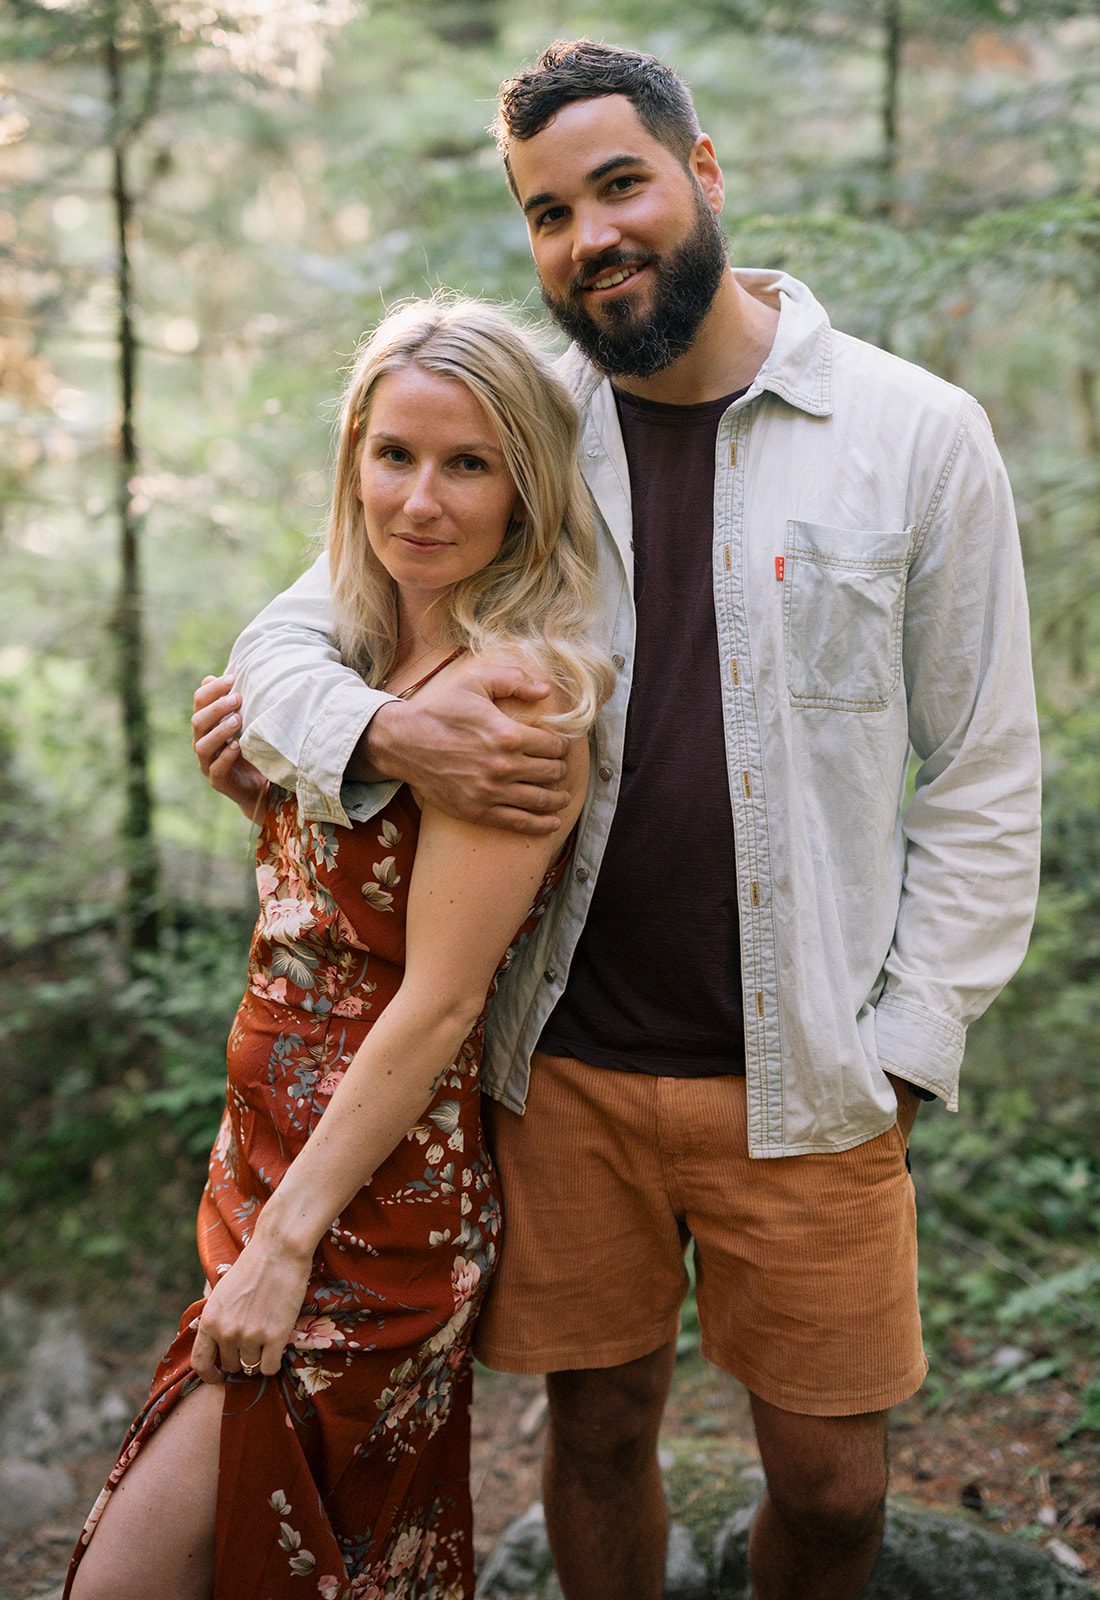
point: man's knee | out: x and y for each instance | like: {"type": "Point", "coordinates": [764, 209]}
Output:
{"type": "Point", "coordinates": [610, 1413]}
{"type": "Point", "coordinates": [826, 1476]}
{"type": "Point", "coordinates": [835, 1514]}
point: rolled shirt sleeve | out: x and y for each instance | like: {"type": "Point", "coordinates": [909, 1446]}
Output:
{"type": "Point", "coordinates": [303, 711]}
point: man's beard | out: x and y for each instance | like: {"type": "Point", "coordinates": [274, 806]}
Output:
{"type": "Point", "coordinates": [622, 344]}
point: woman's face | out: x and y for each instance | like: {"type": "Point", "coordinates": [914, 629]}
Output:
{"type": "Point", "coordinates": [436, 491]}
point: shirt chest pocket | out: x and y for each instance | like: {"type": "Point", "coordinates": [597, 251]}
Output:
{"type": "Point", "coordinates": [844, 601]}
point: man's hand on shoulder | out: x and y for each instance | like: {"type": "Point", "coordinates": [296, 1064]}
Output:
{"type": "Point", "coordinates": [455, 746]}
{"type": "Point", "coordinates": [214, 738]}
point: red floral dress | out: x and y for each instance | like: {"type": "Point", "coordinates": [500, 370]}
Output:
{"type": "Point", "coordinates": [346, 1475]}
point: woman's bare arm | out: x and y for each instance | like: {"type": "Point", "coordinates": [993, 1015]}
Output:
{"type": "Point", "coordinates": [471, 888]}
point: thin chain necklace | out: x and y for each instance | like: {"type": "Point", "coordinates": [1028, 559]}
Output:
{"type": "Point", "coordinates": [407, 666]}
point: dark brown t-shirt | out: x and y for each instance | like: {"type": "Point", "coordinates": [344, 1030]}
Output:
{"type": "Point", "coordinates": [655, 984]}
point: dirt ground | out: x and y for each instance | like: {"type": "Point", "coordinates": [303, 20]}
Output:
{"type": "Point", "coordinates": [996, 1455]}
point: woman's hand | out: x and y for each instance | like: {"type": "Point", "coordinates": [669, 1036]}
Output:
{"type": "Point", "coordinates": [214, 729]}
{"type": "Point", "coordinates": [251, 1312]}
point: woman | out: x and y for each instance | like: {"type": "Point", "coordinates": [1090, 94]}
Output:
{"type": "Point", "coordinates": [307, 1433]}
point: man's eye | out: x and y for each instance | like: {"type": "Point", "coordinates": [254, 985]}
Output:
{"type": "Point", "coordinates": [546, 218]}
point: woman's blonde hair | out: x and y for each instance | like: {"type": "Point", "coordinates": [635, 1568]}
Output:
{"type": "Point", "coordinates": [538, 593]}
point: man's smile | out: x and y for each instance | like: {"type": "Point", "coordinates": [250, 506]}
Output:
{"type": "Point", "coordinates": [611, 280]}
{"type": "Point", "coordinates": [610, 274]}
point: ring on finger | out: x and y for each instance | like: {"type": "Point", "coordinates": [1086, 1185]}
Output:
{"type": "Point", "coordinates": [250, 1368]}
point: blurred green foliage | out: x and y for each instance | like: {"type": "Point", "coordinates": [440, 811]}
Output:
{"type": "Point", "coordinates": [307, 165]}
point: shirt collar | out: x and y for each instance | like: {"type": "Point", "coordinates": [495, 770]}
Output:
{"type": "Point", "coordinates": [799, 364]}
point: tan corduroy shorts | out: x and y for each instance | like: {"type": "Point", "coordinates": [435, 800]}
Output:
{"type": "Point", "coordinates": [806, 1266]}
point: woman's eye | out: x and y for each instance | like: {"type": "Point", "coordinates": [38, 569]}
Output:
{"type": "Point", "coordinates": [472, 464]}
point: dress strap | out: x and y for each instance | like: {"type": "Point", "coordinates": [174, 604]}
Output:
{"type": "Point", "coordinates": [407, 694]}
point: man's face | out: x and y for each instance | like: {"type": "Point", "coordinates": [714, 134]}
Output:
{"type": "Point", "coordinates": [627, 243]}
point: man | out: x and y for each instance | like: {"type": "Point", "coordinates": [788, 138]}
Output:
{"type": "Point", "coordinates": [809, 564]}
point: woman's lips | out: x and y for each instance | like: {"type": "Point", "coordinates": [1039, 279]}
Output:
{"type": "Point", "coordinates": [416, 543]}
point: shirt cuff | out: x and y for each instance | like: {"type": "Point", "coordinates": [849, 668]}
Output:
{"type": "Point", "coordinates": [925, 1049]}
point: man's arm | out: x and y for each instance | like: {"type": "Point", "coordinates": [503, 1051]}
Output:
{"type": "Point", "coordinates": [972, 828]}
{"type": "Point", "coordinates": [310, 723]}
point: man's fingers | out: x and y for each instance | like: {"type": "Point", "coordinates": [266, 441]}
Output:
{"type": "Point", "coordinates": [534, 797]}
{"type": "Point", "coordinates": [540, 744]}
{"type": "Point", "coordinates": [514, 821]}
{"type": "Point", "coordinates": [540, 775]}
{"type": "Point", "coordinates": [499, 682]}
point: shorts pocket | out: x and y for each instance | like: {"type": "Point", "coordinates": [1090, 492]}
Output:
{"type": "Point", "coordinates": [844, 605]}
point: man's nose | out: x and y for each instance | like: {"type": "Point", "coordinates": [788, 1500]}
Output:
{"type": "Point", "coordinates": [593, 234]}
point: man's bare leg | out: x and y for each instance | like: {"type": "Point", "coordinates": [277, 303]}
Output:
{"type": "Point", "coordinates": [605, 1503]}
{"type": "Point", "coordinates": [818, 1528]}
{"type": "Point", "coordinates": [155, 1539]}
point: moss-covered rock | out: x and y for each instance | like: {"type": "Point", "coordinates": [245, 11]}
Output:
{"type": "Point", "coordinates": [926, 1555]}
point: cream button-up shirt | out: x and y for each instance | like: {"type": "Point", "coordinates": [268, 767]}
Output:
{"type": "Point", "coordinates": [870, 605]}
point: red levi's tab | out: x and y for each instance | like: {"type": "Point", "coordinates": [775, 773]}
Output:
{"type": "Point", "coordinates": [779, 565]}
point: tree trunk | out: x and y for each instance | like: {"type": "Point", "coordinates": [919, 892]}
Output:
{"type": "Point", "coordinates": [139, 846]}
{"type": "Point", "coordinates": [891, 61]}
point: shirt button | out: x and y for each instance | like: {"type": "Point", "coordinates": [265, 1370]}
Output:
{"type": "Point", "coordinates": [593, 454]}
{"type": "Point", "coordinates": [549, 976]}
{"type": "Point", "coordinates": [581, 874]}
{"type": "Point", "coordinates": [618, 662]}
{"type": "Point", "coordinates": [606, 774]}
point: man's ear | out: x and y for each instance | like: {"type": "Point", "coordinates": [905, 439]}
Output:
{"type": "Point", "coordinates": [704, 164]}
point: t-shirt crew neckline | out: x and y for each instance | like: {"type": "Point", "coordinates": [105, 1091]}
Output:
{"type": "Point", "coordinates": [664, 412]}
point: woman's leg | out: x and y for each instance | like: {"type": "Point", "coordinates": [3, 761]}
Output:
{"type": "Point", "coordinates": [155, 1539]}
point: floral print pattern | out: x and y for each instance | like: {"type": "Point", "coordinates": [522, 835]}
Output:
{"type": "Point", "coordinates": [350, 1466]}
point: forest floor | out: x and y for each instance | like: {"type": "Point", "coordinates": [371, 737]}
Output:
{"type": "Point", "coordinates": [999, 1456]}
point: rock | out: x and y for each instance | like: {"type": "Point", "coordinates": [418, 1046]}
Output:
{"type": "Point", "coordinates": [731, 1555]}
{"type": "Point", "coordinates": [1062, 1552]}
{"type": "Point", "coordinates": [1009, 1357]}
{"type": "Point", "coordinates": [47, 1409]}
{"type": "Point", "coordinates": [29, 1493]}
{"type": "Point", "coordinates": [686, 1576]}
{"type": "Point", "coordinates": [521, 1563]}
{"type": "Point", "coordinates": [927, 1555]}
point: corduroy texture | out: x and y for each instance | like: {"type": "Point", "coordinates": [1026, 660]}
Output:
{"type": "Point", "coordinates": [806, 1266]}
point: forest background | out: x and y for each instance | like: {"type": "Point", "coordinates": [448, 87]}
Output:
{"type": "Point", "coordinates": [204, 208]}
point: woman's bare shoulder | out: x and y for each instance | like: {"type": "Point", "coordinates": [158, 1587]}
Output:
{"type": "Point", "coordinates": [521, 656]}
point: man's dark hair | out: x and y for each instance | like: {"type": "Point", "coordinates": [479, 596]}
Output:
{"type": "Point", "coordinates": [581, 69]}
